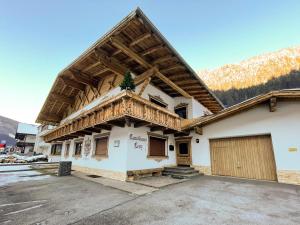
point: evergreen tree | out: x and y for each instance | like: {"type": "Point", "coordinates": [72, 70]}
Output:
{"type": "Point", "coordinates": [127, 83]}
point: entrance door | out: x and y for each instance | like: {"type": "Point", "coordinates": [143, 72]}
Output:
{"type": "Point", "coordinates": [183, 152]}
{"type": "Point", "coordinates": [247, 157]}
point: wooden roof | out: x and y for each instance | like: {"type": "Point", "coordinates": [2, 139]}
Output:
{"type": "Point", "coordinates": [135, 45]}
{"type": "Point", "coordinates": [271, 98]}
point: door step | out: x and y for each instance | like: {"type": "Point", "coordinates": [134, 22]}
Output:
{"type": "Point", "coordinates": [180, 172]}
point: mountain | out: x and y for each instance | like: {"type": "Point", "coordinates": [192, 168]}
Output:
{"type": "Point", "coordinates": [253, 71]}
{"type": "Point", "coordinates": [8, 128]}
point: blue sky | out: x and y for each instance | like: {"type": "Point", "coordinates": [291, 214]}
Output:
{"type": "Point", "coordinates": [39, 38]}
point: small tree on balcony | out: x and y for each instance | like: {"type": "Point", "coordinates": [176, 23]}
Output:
{"type": "Point", "coordinates": [127, 83]}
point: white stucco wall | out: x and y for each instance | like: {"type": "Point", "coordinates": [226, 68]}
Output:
{"type": "Point", "coordinates": [138, 151]}
{"type": "Point", "coordinates": [283, 125]}
{"type": "Point", "coordinates": [116, 160]}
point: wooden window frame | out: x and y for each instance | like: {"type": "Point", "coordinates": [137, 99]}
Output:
{"type": "Point", "coordinates": [67, 144]}
{"type": "Point", "coordinates": [55, 144]}
{"type": "Point", "coordinates": [74, 152]}
{"type": "Point", "coordinates": [159, 100]}
{"type": "Point", "coordinates": [182, 105]}
{"type": "Point", "coordinates": [155, 135]}
{"type": "Point", "coordinates": [99, 136]}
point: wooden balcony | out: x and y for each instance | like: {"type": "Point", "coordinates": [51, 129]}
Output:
{"type": "Point", "coordinates": [125, 108]}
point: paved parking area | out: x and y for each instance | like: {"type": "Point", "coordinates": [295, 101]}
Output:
{"type": "Point", "coordinates": [203, 200]}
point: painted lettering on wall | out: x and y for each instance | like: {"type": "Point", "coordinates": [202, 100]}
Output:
{"type": "Point", "coordinates": [137, 138]}
{"type": "Point", "coordinates": [137, 141]}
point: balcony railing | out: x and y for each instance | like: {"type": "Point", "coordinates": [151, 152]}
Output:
{"type": "Point", "coordinates": [126, 105]}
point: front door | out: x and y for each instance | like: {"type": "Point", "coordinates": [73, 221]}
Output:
{"type": "Point", "coordinates": [183, 152]}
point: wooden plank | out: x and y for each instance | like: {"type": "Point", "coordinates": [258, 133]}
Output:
{"type": "Point", "coordinates": [62, 98]}
{"type": "Point", "coordinates": [144, 85]}
{"type": "Point", "coordinates": [109, 62]}
{"type": "Point", "coordinates": [72, 83]}
{"type": "Point", "coordinates": [117, 43]}
{"type": "Point", "coordinates": [247, 157]}
{"type": "Point", "coordinates": [272, 104]}
{"type": "Point", "coordinates": [163, 59]}
{"type": "Point", "coordinates": [144, 76]}
{"type": "Point", "coordinates": [83, 78]}
{"type": "Point", "coordinates": [172, 84]}
{"type": "Point", "coordinates": [152, 49]}
{"type": "Point", "coordinates": [140, 39]}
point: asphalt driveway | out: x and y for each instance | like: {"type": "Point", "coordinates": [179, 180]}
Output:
{"type": "Point", "coordinates": [203, 200]}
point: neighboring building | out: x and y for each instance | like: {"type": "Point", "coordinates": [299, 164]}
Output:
{"type": "Point", "coordinates": [25, 137]}
{"type": "Point", "coordinates": [119, 134]}
{"type": "Point", "coordinates": [40, 145]}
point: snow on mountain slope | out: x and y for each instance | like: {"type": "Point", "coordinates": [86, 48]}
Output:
{"type": "Point", "coordinates": [253, 71]}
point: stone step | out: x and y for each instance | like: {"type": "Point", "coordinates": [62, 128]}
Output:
{"type": "Point", "coordinates": [180, 175]}
{"type": "Point", "coordinates": [180, 168]}
{"type": "Point", "coordinates": [174, 170]}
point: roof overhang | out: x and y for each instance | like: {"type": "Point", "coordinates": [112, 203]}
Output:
{"type": "Point", "coordinates": [271, 98]}
{"type": "Point", "coordinates": [135, 45]}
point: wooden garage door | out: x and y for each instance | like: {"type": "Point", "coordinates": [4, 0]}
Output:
{"type": "Point", "coordinates": [247, 157]}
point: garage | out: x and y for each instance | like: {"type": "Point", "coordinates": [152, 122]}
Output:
{"type": "Point", "coordinates": [246, 157]}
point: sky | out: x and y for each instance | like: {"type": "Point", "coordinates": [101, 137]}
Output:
{"type": "Point", "coordinates": [39, 38]}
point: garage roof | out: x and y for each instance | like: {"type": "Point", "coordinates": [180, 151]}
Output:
{"type": "Point", "coordinates": [270, 97]}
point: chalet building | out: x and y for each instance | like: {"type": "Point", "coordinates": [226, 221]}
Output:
{"type": "Point", "coordinates": [171, 118]}
{"type": "Point", "coordinates": [25, 137]}
{"type": "Point", "coordinates": [40, 145]}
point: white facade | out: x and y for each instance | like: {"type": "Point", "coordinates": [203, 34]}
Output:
{"type": "Point", "coordinates": [283, 126]}
{"type": "Point", "coordinates": [132, 153]}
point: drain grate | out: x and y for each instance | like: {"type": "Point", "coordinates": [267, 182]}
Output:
{"type": "Point", "coordinates": [93, 176]}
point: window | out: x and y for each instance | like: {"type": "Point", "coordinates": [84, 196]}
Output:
{"type": "Point", "coordinates": [183, 148]}
{"type": "Point", "coordinates": [157, 146]}
{"type": "Point", "coordinates": [158, 101]}
{"type": "Point", "coordinates": [78, 147]}
{"type": "Point", "coordinates": [101, 146]}
{"type": "Point", "coordinates": [181, 111]}
{"type": "Point", "coordinates": [67, 149]}
{"type": "Point", "coordinates": [56, 149]}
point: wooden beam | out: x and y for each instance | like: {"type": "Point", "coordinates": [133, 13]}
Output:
{"type": "Point", "coordinates": [141, 124]}
{"type": "Point", "coordinates": [109, 62]}
{"type": "Point", "coordinates": [198, 130]}
{"type": "Point", "coordinates": [272, 104]}
{"type": "Point", "coordinates": [117, 123]}
{"type": "Point", "coordinates": [93, 129]}
{"type": "Point", "coordinates": [103, 126]}
{"type": "Point", "coordinates": [140, 39]}
{"type": "Point", "coordinates": [165, 58]}
{"type": "Point", "coordinates": [72, 83]}
{"type": "Point", "coordinates": [50, 117]}
{"type": "Point", "coordinates": [83, 78]}
{"type": "Point", "coordinates": [62, 98]}
{"type": "Point", "coordinates": [157, 128]}
{"type": "Point", "coordinates": [172, 84]}
{"type": "Point", "coordinates": [100, 72]}
{"type": "Point", "coordinates": [91, 66]}
{"type": "Point", "coordinates": [144, 76]}
{"type": "Point", "coordinates": [152, 49]}
{"type": "Point", "coordinates": [144, 85]}
{"type": "Point", "coordinates": [177, 66]}
{"type": "Point", "coordinates": [117, 43]}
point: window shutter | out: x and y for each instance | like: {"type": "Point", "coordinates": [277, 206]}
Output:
{"type": "Point", "coordinates": [157, 146]}
{"type": "Point", "coordinates": [101, 146]}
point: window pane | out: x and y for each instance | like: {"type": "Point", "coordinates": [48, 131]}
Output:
{"type": "Point", "coordinates": [183, 148]}
{"type": "Point", "coordinates": [78, 147]}
{"type": "Point", "coordinates": [181, 112]}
